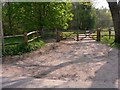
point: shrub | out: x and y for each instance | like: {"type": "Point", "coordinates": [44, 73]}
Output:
{"type": "Point", "coordinates": [22, 48]}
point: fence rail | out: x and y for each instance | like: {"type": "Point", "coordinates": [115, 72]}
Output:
{"type": "Point", "coordinates": [100, 33]}
{"type": "Point", "coordinates": [13, 36]}
{"type": "Point", "coordinates": [6, 44]}
{"type": "Point", "coordinates": [103, 35]}
{"type": "Point", "coordinates": [26, 41]}
{"type": "Point", "coordinates": [25, 38]}
{"type": "Point", "coordinates": [33, 39]}
{"type": "Point", "coordinates": [31, 33]}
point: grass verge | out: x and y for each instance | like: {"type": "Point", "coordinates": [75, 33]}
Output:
{"type": "Point", "coordinates": [109, 42]}
{"type": "Point", "coordinates": [21, 48]}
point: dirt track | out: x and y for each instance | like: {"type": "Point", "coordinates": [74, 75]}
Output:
{"type": "Point", "coordinates": [83, 64]}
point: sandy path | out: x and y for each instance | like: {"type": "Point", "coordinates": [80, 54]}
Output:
{"type": "Point", "coordinates": [83, 64]}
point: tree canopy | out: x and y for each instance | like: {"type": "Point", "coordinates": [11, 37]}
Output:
{"type": "Point", "coordinates": [103, 18]}
{"type": "Point", "coordinates": [19, 17]}
{"type": "Point", "coordinates": [84, 15]}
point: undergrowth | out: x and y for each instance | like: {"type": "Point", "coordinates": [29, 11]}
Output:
{"type": "Point", "coordinates": [22, 48]}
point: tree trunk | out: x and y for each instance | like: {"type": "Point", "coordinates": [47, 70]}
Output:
{"type": "Point", "coordinates": [57, 36]}
{"type": "Point", "coordinates": [114, 8]}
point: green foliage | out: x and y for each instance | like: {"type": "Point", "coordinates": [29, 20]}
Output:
{"type": "Point", "coordinates": [20, 49]}
{"type": "Point", "coordinates": [19, 17]}
{"type": "Point", "coordinates": [109, 42]}
{"type": "Point", "coordinates": [66, 35]}
{"type": "Point", "coordinates": [59, 14]}
{"type": "Point", "coordinates": [13, 40]}
{"type": "Point", "coordinates": [84, 16]}
{"type": "Point", "coordinates": [49, 34]}
{"type": "Point", "coordinates": [103, 18]}
{"type": "Point", "coordinates": [106, 40]}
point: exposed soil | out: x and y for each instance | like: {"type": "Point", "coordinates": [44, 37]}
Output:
{"type": "Point", "coordinates": [83, 64]}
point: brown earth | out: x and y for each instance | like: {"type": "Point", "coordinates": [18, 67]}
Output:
{"type": "Point", "coordinates": [83, 64]}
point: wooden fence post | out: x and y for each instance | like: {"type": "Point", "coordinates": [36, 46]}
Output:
{"type": "Point", "coordinates": [25, 38]}
{"type": "Point", "coordinates": [77, 36]}
{"type": "Point", "coordinates": [109, 33]}
{"type": "Point", "coordinates": [98, 35]}
{"type": "Point", "coordinates": [57, 36]}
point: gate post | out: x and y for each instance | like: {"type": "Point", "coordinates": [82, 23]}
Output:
{"type": "Point", "coordinates": [57, 35]}
{"type": "Point", "coordinates": [25, 38]}
{"type": "Point", "coordinates": [109, 33]}
{"type": "Point", "coordinates": [98, 35]}
{"type": "Point", "coordinates": [77, 36]}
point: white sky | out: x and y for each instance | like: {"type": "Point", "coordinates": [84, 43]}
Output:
{"type": "Point", "coordinates": [97, 3]}
{"type": "Point", "coordinates": [101, 3]}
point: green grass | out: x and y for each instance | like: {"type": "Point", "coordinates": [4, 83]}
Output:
{"type": "Point", "coordinates": [106, 40]}
{"type": "Point", "coordinates": [13, 40]}
{"type": "Point", "coordinates": [110, 42]}
{"type": "Point", "coordinates": [80, 31]}
{"type": "Point", "coordinates": [38, 43]}
{"type": "Point", "coordinates": [66, 35]}
{"type": "Point", "coordinates": [107, 33]}
{"type": "Point", "coordinates": [21, 48]}
{"type": "Point", "coordinates": [17, 39]}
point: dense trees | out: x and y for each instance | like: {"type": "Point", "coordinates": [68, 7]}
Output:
{"type": "Point", "coordinates": [21, 17]}
{"type": "Point", "coordinates": [16, 18]}
{"type": "Point", "coordinates": [84, 16]}
{"type": "Point", "coordinates": [103, 18]}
